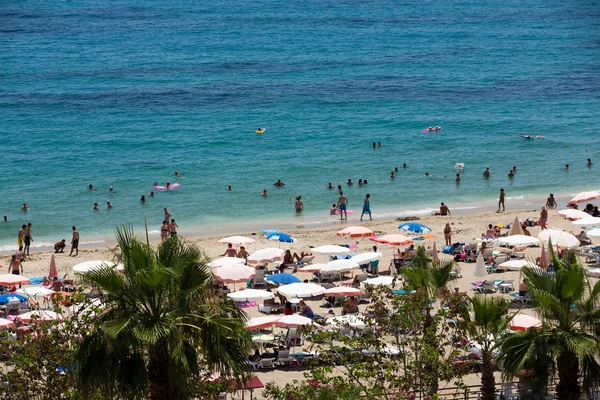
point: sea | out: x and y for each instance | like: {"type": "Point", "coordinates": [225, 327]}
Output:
{"type": "Point", "coordinates": [124, 93]}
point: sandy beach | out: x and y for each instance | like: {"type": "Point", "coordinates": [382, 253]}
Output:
{"type": "Point", "coordinates": [465, 228]}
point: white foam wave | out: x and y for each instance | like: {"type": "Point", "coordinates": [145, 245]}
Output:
{"type": "Point", "coordinates": [14, 247]}
{"type": "Point", "coordinates": [154, 232]}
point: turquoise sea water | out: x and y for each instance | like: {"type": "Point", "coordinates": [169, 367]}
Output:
{"type": "Point", "coordinates": [123, 93]}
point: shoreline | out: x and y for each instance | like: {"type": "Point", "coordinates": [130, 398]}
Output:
{"type": "Point", "coordinates": [250, 228]}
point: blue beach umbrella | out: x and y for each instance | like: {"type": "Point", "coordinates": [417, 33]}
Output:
{"type": "Point", "coordinates": [281, 237]}
{"type": "Point", "coordinates": [414, 227]}
{"type": "Point", "coordinates": [283, 279]}
{"type": "Point", "coordinates": [6, 298]}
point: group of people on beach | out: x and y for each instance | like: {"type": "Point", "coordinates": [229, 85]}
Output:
{"type": "Point", "coordinates": [169, 226]}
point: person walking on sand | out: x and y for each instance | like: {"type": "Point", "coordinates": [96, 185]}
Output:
{"type": "Point", "coordinates": [366, 207]}
{"type": "Point", "coordinates": [543, 218]}
{"type": "Point", "coordinates": [448, 234]}
{"type": "Point", "coordinates": [75, 243]}
{"type": "Point", "coordinates": [501, 201]}
{"type": "Point", "coordinates": [21, 236]}
{"type": "Point", "coordinates": [551, 202]}
{"type": "Point", "coordinates": [343, 206]}
{"type": "Point", "coordinates": [27, 238]}
{"type": "Point", "coordinates": [15, 267]}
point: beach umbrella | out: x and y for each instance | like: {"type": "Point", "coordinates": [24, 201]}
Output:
{"type": "Point", "coordinates": [261, 322]}
{"type": "Point", "coordinates": [237, 240]}
{"type": "Point", "coordinates": [264, 256]}
{"type": "Point", "coordinates": [11, 297]}
{"type": "Point", "coordinates": [594, 235]}
{"type": "Point", "coordinates": [356, 231]}
{"type": "Point", "coordinates": [281, 237]}
{"type": "Point", "coordinates": [6, 323]}
{"type": "Point", "coordinates": [543, 258]}
{"type": "Point", "coordinates": [522, 322]}
{"type": "Point", "coordinates": [573, 214]}
{"type": "Point", "coordinates": [516, 228]}
{"type": "Point", "coordinates": [516, 265]}
{"type": "Point", "coordinates": [480, 270]}
{"type": "Point", "coordinates": [343, 291]}
{"type": "Point", "coordinates": [283, 279]}
{"type": "Point", "coordinates": [559, 238]}
{"type": "Point", "coordinates": [39, 315]}
{"type": "Point", "coordinates": [88, 266]}
{"type": "Point", "coordinates": [340, 266]}
{"type": "Point", "coordinates": [299, 290]}
{"type": "Point", "coordinates": [434, 254]}
{"type": "Point", "coordinates": [330, 249]}
{"type": "Point", "coordinates": [294, 321]}
{"type": "Point", "coordinates": [250, 295]}
{"type": "Point", "coordinates": [349, 320]}
{"type": "Point", "coordinates": [11, 280]}
{"type": "Point", "coordinates": [226, 262]}
{"type": "Point", "coordinates": [394, 240]}
{"type": "Point", "coordinates": [385, 280]}
{"type": "Point", "coordinates": [519, 240]}
{"type": "Point", "coordinates": [234, 273]}
{"type": "Point", "coordinates": [35, 291]}
{"type": "Point", "coordinates": [414, 227]}
{"type": "Point", "coordinates": [364, 258]}
{"type": "Point", "coordinates": [311, 268]}
{"type": "Point", "coordinates": [53, 272]}
{"type": "Point", "coordinates": [589, 221]}
{"type": "Point", "coordinates": [584, 197]}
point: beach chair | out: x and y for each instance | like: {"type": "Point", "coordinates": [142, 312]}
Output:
{"type": "Point", "coordinates": [270, 306]}
{"type": "Point", "coordinates": [509, 391]}
{"type": "Point", "coordinates": [284, 358]}
{"type": "Point", "coordinates": [259, 278]}
{"type": "Point", "coordinates": [266, 363]}
{"type": "Point", "coordinates": [471, 257]}
{"type": "Point", "coordinates": [521, 299]}
{"type": "Point", "coordinates": [293, 338]}
{"type": "Point", "coordinates": [306, 260]}
{"type": "Point", "coordinates": [592, 258]}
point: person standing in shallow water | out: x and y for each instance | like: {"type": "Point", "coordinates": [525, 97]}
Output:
{"type": "Point", "coordinates": [366, 207]}
{"type": "Point", "coordinates": [343, 206]}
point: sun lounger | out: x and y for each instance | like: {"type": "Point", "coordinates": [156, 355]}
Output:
{"type": "Point", "coordinates": [259, 278]}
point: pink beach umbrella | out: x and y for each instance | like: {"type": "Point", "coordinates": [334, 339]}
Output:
{"type": "Point", "coordinates": [235, 273]}
{"type": "Point", "coordinates": [584, 197]}
{"type": "Point", "coordinates": [393, 239]}
{"type": "Point", "coordinates": [6, 323]}
{"type": "Point", "coordinates": [237, 240]}
{"type": "Point", "coordinates": [522, 322]}
{"type": "Point", "coordinates": [261, 322]}
{"type": "Point", "coordinates": [53, 272]}
{"type": "Point", "coordinates": [10, 279]}
{"type": "Point", "coordinates": [356, 231]}
{"type": "Point", "coordinates": [264, 256]}
{"type": "Point", "coordinates": [343, 291]}
{"type": "Point", "coordinates": [434, 254]}
{"type": "Point", "coordinates": [311, 268]}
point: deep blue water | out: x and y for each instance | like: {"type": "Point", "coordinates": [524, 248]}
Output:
{"type": "Point", "coordinates": [123, 93]}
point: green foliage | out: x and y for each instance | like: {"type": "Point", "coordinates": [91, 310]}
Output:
{"type": "Point", "coordinates": [567, 344]}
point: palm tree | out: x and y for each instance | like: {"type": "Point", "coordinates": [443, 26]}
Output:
{"type": "Point", "coordinates": [567, 343]}
{"type": "Point", "coordinates": [486, 321]}
{"type": "Point", "coordinates": [162, 325]}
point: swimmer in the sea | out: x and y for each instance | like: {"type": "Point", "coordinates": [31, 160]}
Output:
{"type": "Point", "coordinates": [229, 189]}
{"type": "Point", "coordinates": [143, 199]}
{"type": "Point", "coordinates": [178, 174]}
{"type": "Point", "coordinates": [426, 173]}
{"type": "Point", "coordinates": [279, 183]}
{"type": "Point", "coordinates": [486, 173]}
{"type": "Point", "coordinates": [349, 182]}
{"type": "Point", "coordinates": [404, 166]}
{"type": "Point", "coordinates": [151, 193]}
{"type": "Point", "coordinates": [329, 186]}
{"type": "Point", "coordinates": [566, 167]}
{"type": "Point", "coordinates": [91, 187]}
{"type": "Point", "coordinates": [24, 207]}
{"type": "Point", "coordinates": [589, 162]}
{"type": "Point", "coordinates": [111, 190]}
{"type": "Point", "coordinates": [168, 185]}
{"type": "Point", "coordinates": [264, 193]}
{"type": "Point", "coordinates": [392, 176]}
{"type": "Point", "coordinates": [108, 205]}
{"type": "Point", "coordinates": [457, 177]}
{"type": "Point", "coordinates": [511, 173]}
{"type": "Point", "coordinates": [95, 207]}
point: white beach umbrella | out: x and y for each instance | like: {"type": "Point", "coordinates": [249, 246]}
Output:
{"type": "Point", "coordinates": [349, 320]}
{"type": "Point", "coordinates": [343, 291]}
{"type": "Point", "coordinates": [226, 262]}
{"type": "Point", "coordinates": [235, 273]}
{"type": "Point", "coordinates": [88, 266]}
{"type": "Point", "coordinates": [330, 249]}
{"type": "Point", "coordinates": [11, 279]}
{"type": "Point", "coordinates": [294, 321]}
{"type": "Point", "coordinates": [559, 238]}
{"type": "Point", "coordinates": [519, 240]}
{"type": "Point", "coordinates": [516, 265]}
{"type": "Point", "coordinates": [35, 291]}
{"type": "Point", "coordinates": [573, 214]}
{"type": "Point", "coordinates": [385, 280]}
{"type": "Point", "coordinates": [589, 221]}
{"type": "Point", "coordinates": [584, 197]}
{"type": "Point", "coordinates": [251, 295]}
{"type": "Point", "coordinates": [237, 240]}
{"type": "Point", "coordinates": [264, 256]}
{"type": "Point", "coordinates": [364, 258]}
{"type": "Point", "coordinates": [311, 268]}
{"type": "Point", "coordinates": [594, 235]}
{"type": "Point", "coordinates": [261, 322]}
{"type": "Point", "coordinates": [6, 323]}
{"type": "Point", "coordinates": [480, 270]}
{"type": "Point", "coordinates": [340, 266]}
{"type": "Point", "coordinates": [299, 290]}
{"type": "Point", "coordinates": [39, 315]}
